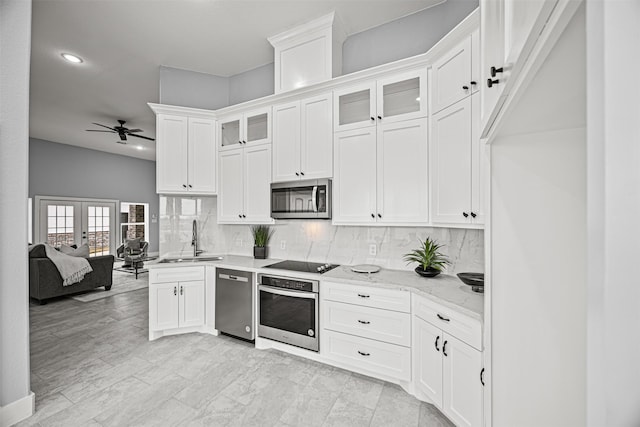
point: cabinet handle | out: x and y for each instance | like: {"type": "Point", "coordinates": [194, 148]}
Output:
{"type": "Point", "coordinates": [444, 348]}
{"type": "Point", "coordinates": [239, 215]}
{"type": "Point", "coordinates": [379, 216]}
{"type": "Point", "coordinates": [302, 173]}
{"type": "Point", "coordinates": [379, 117]}
{"type": "Point", "coordinates": [190, 186]}
{"type": "Point", "coordinates": [364, 322]}
{"type": "Point", "coordinates": [363, 296]}
{"type": "Point", "coordinates": [495, 71]}
{"type": "Point", "coordinates": [473, 83]}
{"type": "Point", "coordinates": [465, 87]}
{"type": "Point", "coordinates": [444, 319]}
{"type": "Point", "coordinates": [482, 376]}
{"type": "Point", "coordinates": [464, 214]}
{"type": "Point", "coordinates": [240, 142]}
{"type": "Point", "coordinates": [373, 118]}
{"type": "Point", "coordinates": [490, 82]}
{"type": "Point", "coordinates": [244, 142]}
{"type": "Point", "coordinates": [181, 290]}
{"type": "Point", "coordinates": [473, 214]}
{"type": "Point", "coordinates": [244, 216]}
{"type": "Point", "coordinates": [184, 185]}
{"type": "Point", "coordinates": [175, 290]}
{"type": "Point", "coordinates": [373, 216]}
{"type": "Point", "coordinates": [297, 174]}
{"type": "Point", "coordinates": [436, 343]}
{"type": "Point", "coordinates": [363, 353]}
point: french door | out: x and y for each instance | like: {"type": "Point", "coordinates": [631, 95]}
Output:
{"type": "Point", "coordinates": [73, 221]}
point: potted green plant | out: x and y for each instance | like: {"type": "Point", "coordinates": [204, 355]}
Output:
{"type": "Point", "coordinates": [261, 236]}
{"type": "Point", "coordinates": [429, 258]}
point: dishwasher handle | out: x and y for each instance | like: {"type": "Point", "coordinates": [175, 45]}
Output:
{"type": "Point", "coordinates": [232, 278]}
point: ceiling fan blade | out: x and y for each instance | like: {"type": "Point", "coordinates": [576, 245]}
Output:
{"type": "Point", "coordinates": [95, 130]}
{"type": "Point", "coordinates": [123, 137]}
{"type": "Point", "coordinates": [143, 137]}
{"type": "Point", "coordinates": [133, 130]}
{"type": "Point", "coordinates": [98, 124]}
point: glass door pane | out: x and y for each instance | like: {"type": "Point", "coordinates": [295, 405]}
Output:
{"type": "Point", "coordinates": [257, 127]}
{"type": "Point", "coordinates": [401, 97]}
{"type": "Point", "coordinates": [59, 222]}
{"type": "Point", "coordinates": [354, 107]}
{"type": "Point", "coordinates": [98, 231]}
{"type": "Point", "coordinates": [230, 133]}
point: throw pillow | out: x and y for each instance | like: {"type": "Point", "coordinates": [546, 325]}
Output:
{"type": "Point", "coordinates": [132, 244]}
{"type": "Point", "coordinates": [82, 251]}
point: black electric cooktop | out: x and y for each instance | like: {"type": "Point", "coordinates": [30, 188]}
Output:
{"type": "Point", "coordinates": [303, 266]}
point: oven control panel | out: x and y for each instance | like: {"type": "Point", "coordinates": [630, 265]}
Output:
{"type": "Point", "coordinates": [288, 283]}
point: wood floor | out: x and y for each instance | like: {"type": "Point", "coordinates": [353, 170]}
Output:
{"type": "Point", "coordinates": [92, 365]}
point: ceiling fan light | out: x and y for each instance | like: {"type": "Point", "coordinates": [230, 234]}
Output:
{"type": "Point", "coordinates": [72, 58]}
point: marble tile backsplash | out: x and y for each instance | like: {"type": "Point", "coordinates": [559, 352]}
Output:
{"type": "Point", "coordinates": [316, 241]}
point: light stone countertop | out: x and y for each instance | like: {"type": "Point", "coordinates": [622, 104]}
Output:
{"type": "Point", "coordinates": [444, 289]}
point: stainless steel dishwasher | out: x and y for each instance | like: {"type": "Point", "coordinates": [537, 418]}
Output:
{"type": "Point", "coordinates": [235, 302]}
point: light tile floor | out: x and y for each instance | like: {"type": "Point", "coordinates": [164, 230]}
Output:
{"type": "Point", "coordinates": [92, 365]}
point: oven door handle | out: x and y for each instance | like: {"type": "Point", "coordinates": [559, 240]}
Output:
{"type": "Point", "coordinates": [314, 198]}
{"type": "Point", "coordinates": [288, 293]}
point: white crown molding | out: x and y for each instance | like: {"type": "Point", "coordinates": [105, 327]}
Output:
{"type": "Point", "coordinates": [182, 111]}
{"type": "Point", "coordinates": [317, 24]}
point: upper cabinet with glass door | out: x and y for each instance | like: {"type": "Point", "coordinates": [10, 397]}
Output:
{"type": "Point", "coordinates": [250, 128]}
{"type": "Point", "coordinates": [392, 99]}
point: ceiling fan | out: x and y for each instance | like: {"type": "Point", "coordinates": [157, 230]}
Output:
{"type": "Point", "coordinates": [121, 131]}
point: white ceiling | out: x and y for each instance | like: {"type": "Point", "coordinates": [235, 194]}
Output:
{"type": "Point", "coordinates": [123, 43]}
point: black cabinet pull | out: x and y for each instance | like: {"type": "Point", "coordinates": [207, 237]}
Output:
{"type": "Point", "coordinates": [465, 87]}
{"type": "Point", "coordinates": [473, 83]}
{"type": "Point", "coordinates": [244, 216]}
{"type": "Point", "coordinates": [490, 82]}
{"type": "Point", "coordinates": [363, 354]}
{"type": "Point", "coordinates": [379, 117]}
{"type": "Point", "coordinates": [473, 214]}
{"type": "Point", "coordinates": [464, 214]}
{"type": "Point", "coordinates": [373, 118]}
{"type": "Point", "coordinates": [239, 215]}
{"type": "Point", "coordinates": [482, 376]}
{"type": "Point", "coordinates": [175, 290]}
{"type": "Point", "coordinates": [379, 216]}
{"type": "Point", "coordinates": [244, 142]}
{"type": "Point", "coordinates": [181, 290]}
{"type": "Point", "coordinates": [240, 142]}
{"type": "Point", "coordinates": [363, 296]}
{"type": "Point", "coordinates": [184, 185]}
{"type": "Point", "coordinates": [444, 348]}
{"type": "Point", "coordinates": [436, 343]}
{"type": "Point", "coordinates": [190, 186]}
{"type": "Point", "coordinates": [302, 173]}
{"type": "Point", "coordinates": [444, 319]}
{"type": "Point", "coordinates": [364, 322]}
{"type": "Point", "coordinates": [373, 216]}
{"type": "Point", "coordinates": [495, 71]}
{"type": "Point", "coordinates": [297, 174]}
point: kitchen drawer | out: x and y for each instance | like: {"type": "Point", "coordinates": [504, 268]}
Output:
{"type": "Point", "coordinates": [387, 360]}
{"type": "Point", "coordinates": [460, 326]}
{"type": "Point", "coordinates": [176, 274]}
{"type": "Point", "coordinates": [368, 296]}
{"type": "Point", "coordinates": [383, 325]}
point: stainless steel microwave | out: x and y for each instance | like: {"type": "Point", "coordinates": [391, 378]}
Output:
{"type": "Point", "coordinates": [310, 199]}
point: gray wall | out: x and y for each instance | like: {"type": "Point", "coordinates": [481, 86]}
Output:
{"type": "Point", "coordinates": [15, 47]}
{"type": "Point", "coordinates": [409, 36]}
{"type": "Point", "coordinates": [69, 171]}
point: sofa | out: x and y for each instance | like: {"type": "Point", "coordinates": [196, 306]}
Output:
{"type": "Point", "coordinates": [45, 281]}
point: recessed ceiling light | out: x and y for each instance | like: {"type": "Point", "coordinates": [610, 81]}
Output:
{"type": "Point", "coordinates": [139, 147]}
{"type": "Point", "coordinates": [72, 58]}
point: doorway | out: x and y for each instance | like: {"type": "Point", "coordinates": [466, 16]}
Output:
{"type": "Point", "coordinates": [76, 222]}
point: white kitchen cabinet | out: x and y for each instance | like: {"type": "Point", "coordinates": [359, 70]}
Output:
{"type": "Point", "coordinates": [245, 177]}
{"type": "Point", "coordinates": [381, 174]}
{"type": "Point", "coordinates": [176, 300]}
{"type": "Point", "coordinates": [458, 165]}
{"type": "Point", "coordinates": [186, 155]}
{"type": "Point", "coordinates": [509, 30]}
{"type": "Point", "coordinates": [302, 139]}
{"type": "Point", "coordinates": [402, 96]}
{"type": "Point", "coordinates": [249, 128]}
{"type": "Point", "coordinates": [456, 73]}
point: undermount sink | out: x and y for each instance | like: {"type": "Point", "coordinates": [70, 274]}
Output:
{"type": "Point", "coordinates": [190, 259]}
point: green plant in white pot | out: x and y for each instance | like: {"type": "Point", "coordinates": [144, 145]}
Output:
{"type": "Point", "coordinates": [429, 258]}
{"type": "Point", "coordinates": [261, 236]}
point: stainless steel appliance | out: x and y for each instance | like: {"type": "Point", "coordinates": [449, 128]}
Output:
{"type": "Point", "coordinates": [288, 310]}
{"type": "Point", "coordinates": [310, 199]}
{"type": "Point", "coordinates": [235, 300]}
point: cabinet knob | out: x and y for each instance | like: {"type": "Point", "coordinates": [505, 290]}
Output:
{"type": "Point", "coordinates": [239, 215]}
{"type": "Point", "coordinates": [184, 185]}
{"type": "Point", "coordinates": [190, 186]}
{"type": "Point", "coordinates": [436, 343]}
{"type": "Point", "coordinates": [244, 142]}
{"type": "Point", "coordinates": [379, 216]}
{"type": "Point", "coordinates": [244, 216]}
{"type": "Point", "coordinates": [473, 83]}
{"type": "Point", "coordinates": [379, 117]}
{"type": "Point", "coordinates": [464, 214]}
{"type": "Point", "coordinates": [444, 348]}
{"type": "Point", "coordinates": [495, 71]}
{"type": "Point", "coordinates": [373, 118]}
{"type": "Point", "coordinates": [302, 173]}
{"type": "Point", "coordinates": [240, 142]}
{"type": "Point", "coordinates": [465, 87]}
{"type": "Point", "coordinates": [297, 174]}
{"type": "Point", "coordinates": [473, 214]}
{"type": "Point", "coordinates": [373, 216]}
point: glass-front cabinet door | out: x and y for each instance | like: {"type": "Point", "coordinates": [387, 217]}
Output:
{"type": "Point", "coordinates": [257, 125]}
{"type": "Point", "coordinates": [355, 107]}
{"type": "Point", "coordinates": [230, 133]}
{"type": "Point", "coordinates": [402, 97]}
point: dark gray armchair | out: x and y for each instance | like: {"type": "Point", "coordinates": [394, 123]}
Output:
{"type": "Point", "coordinates": [133, 252]}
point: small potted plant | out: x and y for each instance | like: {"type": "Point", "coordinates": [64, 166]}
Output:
{"type": "Point", "coordinates": [429, 258]}
{"type": "Point", "coordinates": [261, 236]}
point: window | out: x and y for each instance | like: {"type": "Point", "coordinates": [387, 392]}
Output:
{"type": "Point", "coordinates": [134, 221]}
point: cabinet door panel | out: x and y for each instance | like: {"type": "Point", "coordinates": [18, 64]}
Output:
{"type": "Point", "coordinates": [402, 97]}
{"type": "Point", "coordinates": [492, 55]}
{"type": "Point", "coordinates": [163, 306]}
{"type": "Point", "coordinates": [450, 164]}
{"type": "Point", "coordinates": [462, 399]}
{"type": "Point", "coordinates": [202, 156]}
{"type": "Point", "coordinates": [402, 172]}
{"type": "Point", "coordinates": [257, 184]}
{"type": "Point", "coordinates": [479, 165]}
{"type": "Point", "coordinates": [316, 143]}
{"type": "Point", "coordinates": [191, 303]}
{"type": "Point", "coordinates": [355, 107]}
{"type": "Point", "coordinates": [231, 192]}
{"type": "Point", "coordinates": [451, 74]}
{"type": "Point", "coordinates": [286, 142]}
{"type": "Point", "coordinates": [257, 126]}
{"type": "Point", "coordinates": [171, 162]}
{"type": "Point", "coordinates": [354, 185]}
{"type": "Point", "coordinates": [427, 356]}
{"type": "Point", "coordinates": [230, 133]}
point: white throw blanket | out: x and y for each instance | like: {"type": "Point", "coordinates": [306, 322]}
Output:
{"type": "Point", "coordinates": [72, 269]}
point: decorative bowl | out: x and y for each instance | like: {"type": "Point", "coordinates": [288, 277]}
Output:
{"type": "Point", "coordinates": [475, 280]}
{"type": "Point", "coordinates": [429, 272]}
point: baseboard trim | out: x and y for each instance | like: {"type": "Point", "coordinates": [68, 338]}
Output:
{"type": "Point", "coordinates": [17, 411]}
